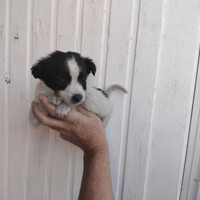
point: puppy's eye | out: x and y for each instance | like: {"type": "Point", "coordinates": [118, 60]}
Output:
{"type": "Point", "coordinates": [62, 81]}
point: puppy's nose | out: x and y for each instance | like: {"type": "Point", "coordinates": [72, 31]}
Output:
{"type": "Point", "coordinates": [76, 98]}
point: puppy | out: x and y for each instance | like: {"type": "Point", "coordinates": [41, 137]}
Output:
{"type": "Point", "coordinates": [63, 80]}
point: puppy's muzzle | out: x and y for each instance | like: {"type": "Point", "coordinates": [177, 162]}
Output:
{"type": "Point", "coordinates": [76, 98]}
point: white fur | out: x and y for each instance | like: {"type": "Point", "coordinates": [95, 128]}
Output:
{"type": "Point", "coordinates": [74, 87]}
{"type": "Point", "coordinates": [62, 110]}
{"type": "Point", "coordinates": [97, 102]}
{"type": "Point", "coordinates": [54, 100]}
{"type": "Point", "coordinates": [40, 89]}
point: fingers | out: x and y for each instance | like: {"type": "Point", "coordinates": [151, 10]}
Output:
{"type": "Point", "coordinates": [64, 137]}
{"type": "Point", "coordinates": [44, 119]}
{"type": "Point", "coordinates": [50, 108]}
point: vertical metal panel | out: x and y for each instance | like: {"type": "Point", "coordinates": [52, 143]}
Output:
{"type": "Point", "coordinates": [120, 65]}
{"type": "Point", "coordinates": [96, 20]}
{"type": "Point", "coordinates": [190, 187]}
{"type": "Point", "coordinates": [17, 99]}
{"type": "Point", "coordinates": [37, 164]}
{"type": "Point", "coordinates": [41, 139]}
{"type": "Point", "coordinates": [161, 109]}
{"type": "Point", "coordinates": [4, 29]}
{"type": "Point", "coordinates": [146, 61]}
{"type": "Point", "coordinates": [174, 89]}
{"type": "Point", "coordinates": [29, 24]}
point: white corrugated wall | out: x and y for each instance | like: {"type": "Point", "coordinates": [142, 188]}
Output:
{"type": "Point", "coordinates": [151, 47]}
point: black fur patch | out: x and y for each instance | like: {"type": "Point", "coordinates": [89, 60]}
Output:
{"type": "Point", "coordinates": [102, 92]}
{"type": "Point", "coordinates": [54, 70]}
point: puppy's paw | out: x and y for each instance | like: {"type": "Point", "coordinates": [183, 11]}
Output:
{"type": "Point", "coordinates": [62, 110]}
{"type": "Point", "coordinates": [55, 100]}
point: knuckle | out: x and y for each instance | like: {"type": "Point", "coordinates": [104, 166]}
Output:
{"type": "Point", "coordinates": [44, 121]}
{"type": "Point", "coordinates": [53, 114]}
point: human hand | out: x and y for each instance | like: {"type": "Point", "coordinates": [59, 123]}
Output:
{"type": "Point", "coordinates": [81, 127]}
{"type": "Point", "coordinates": [84, 129]}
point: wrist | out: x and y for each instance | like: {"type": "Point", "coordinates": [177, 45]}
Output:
{"type": "Point", "coordinates": [98, 151]}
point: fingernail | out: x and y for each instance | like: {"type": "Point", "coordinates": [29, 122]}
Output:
{"type": "Point", "coordinates": [41, 97]}
{"type": "Point", "coordinates": [33, 104]}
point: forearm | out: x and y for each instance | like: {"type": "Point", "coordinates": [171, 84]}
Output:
{"type": "Point", "coordinates": [96, 181]}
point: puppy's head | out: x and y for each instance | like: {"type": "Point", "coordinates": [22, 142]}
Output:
{"type": "Point", "coordinates": [66, 74]}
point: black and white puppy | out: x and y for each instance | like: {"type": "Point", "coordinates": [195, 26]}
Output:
{"type": "Point", "coordinates": [63, 81]}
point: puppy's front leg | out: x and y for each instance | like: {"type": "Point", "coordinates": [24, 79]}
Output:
{"type": "Point", "coordinates": [62, 109]}
{"type": "Point", "coordinates": [55, 100]}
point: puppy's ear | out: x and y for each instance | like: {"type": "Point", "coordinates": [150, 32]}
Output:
{"type": "Point", "coordinates": [38, 69]}
{"type": "Point", "coordinates": [90, 66]}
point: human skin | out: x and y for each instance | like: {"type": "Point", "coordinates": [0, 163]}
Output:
{"type": "Point", "coordinates": [85, 130]}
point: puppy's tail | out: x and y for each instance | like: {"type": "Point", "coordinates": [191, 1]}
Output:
{"type": "Point", "coordinates": [111, 88]}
